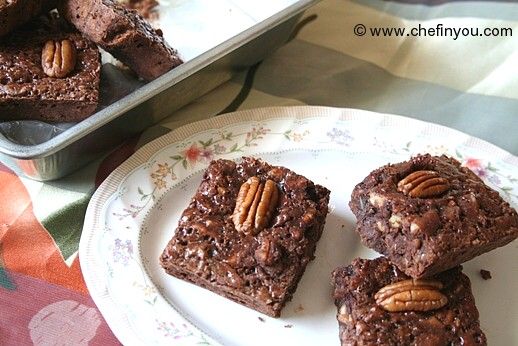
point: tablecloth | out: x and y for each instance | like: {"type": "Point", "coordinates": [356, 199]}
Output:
{"type": "Point", "coordinates": [344, 54]}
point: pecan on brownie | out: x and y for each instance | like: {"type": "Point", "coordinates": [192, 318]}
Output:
{"type": "Point", "coordinates": [123, 33]}
{"type": "Point", "coordinates": [48, 72]}
{"type": "Point", "coordinates": [430, 214]}
{"type": "Point", "coordinates": [248, 233]}
{"type": "Point", "coordinates": [379, 305]}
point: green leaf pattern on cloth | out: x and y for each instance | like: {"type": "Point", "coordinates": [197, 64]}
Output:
{"type": "Point", "coordinates": [65, 226]}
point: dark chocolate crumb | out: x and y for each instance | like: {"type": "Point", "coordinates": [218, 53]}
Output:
{"type": "Point", "coordinates": [288, 326]}
{"type": "Point", "coordinates": [260, 318]}
{"type": "Point", "coordinates": [486, 274]}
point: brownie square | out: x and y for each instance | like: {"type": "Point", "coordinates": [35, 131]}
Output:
{"type": "Point", "coordinates": [255, 261]}
{"type": "Point", "coordinates": [363, 320]}
{"type": "Point", "coordinates": [27, 92]}
{"type": "Point", "coordinates": [430, 214]}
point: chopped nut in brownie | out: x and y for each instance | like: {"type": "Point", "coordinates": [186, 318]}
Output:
{"type": "Point", "coordinates": [248, 233]}
{"type": "Point", "coordinates": [430, 214]}
{"type": "Point", "coordinates": [379, 305]}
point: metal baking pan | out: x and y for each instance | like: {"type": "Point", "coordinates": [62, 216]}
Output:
{"type": "Point", "coordinates": [49, 151]}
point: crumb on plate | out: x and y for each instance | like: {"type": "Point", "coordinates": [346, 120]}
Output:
{"type": "Point", "coordinates": [486, 274]}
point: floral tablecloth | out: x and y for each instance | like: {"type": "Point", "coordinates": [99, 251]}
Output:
{"type": "Point", "coordinates": [468, 83]}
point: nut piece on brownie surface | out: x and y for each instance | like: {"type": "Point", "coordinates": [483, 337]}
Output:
{"type": "Point", "coordinates": [411, 295]}
{"type": "Point", "coordinates": [430, 214]}
{"type": "Point", "coordinates": [248, 233]}
{"type": "Point", "coordinates": [423, 184]}
{"type": "Point", "coordinates": [255, 205]}
{"type": "Point", "coordinates": [58, 58]}
{"type": "Point", "coordinates": [363, 321]}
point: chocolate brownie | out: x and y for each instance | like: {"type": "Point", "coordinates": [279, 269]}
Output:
{"type": "Point", "coordinates": [123, 33]}
{"type": "Point", "coordinates": [439, 311]}
{"type": "Point", "coordinates": [28, 92]}
{"type": "Point", "coordinates": [14, 13]}
{"type": "Point", "coordinates": [248, 233]}
{"type": "Point", "coordinates": [430, 214]}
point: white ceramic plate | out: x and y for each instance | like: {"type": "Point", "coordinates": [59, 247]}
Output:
{"type": "Point", "coordinates": [134, 213]}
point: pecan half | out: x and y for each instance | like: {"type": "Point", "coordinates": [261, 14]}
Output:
{"type": "Point", "coordinates": [58, 58]}
{"type": "Point", "coordinates": [423, 184]}
{"type": "Point", "coordinates": [255, 204]}
{"type": "Point", "coordinates": [411, 295]}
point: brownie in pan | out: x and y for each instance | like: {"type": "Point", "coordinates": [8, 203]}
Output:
{"type": "Point", "coordinates": [430, 214]}
{"type": "Point", "coordinates": [379, 305]}
{"type": "Point", "coordinates": [48, 71]}
{"type": "Point", "coordinates": [14, 13]}
{"type": "Point", "coordinates": [248, 233]}
{"type": "Point", "coordinates": [123, 33]}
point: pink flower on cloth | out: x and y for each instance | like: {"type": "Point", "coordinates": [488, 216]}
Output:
{"type": "Point", "coordinates": [66, 322]}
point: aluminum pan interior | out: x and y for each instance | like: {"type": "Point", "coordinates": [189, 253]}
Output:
{"type": "Point", "coordinates": [150, 90]}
